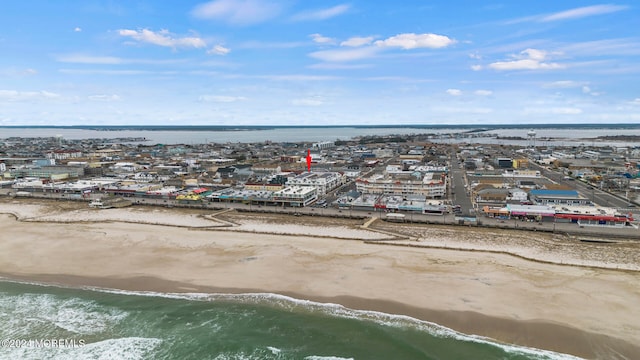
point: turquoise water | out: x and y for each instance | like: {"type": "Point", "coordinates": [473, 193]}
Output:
{"type": "Point", "coordinates": [101, 324]}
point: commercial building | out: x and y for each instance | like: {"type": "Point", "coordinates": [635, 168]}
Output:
{"type": "Point", "coordinates": [296, 196]}
{"type": "Point", "coordinates": [322, 181]}
{"type": "Point", "coordinates": [431, 185]}
{"type": "Point", "coordinates": [557, 197]}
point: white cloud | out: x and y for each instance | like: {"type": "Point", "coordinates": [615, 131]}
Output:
{"type": "Point", "coordinates": [414, 41]}
{"type": "Point", "coordinates": [476, 67]}
{"type": "Point", "coordinates": [238, 12]}
{"type": "Point", "coordinates": [463, 109]}
{"type": "Point", "coordinates": [339, 66]}
{"type": "Point", "coordinates": [18, 72]}
{"type": "Point", "coordinates": [554, 110]}
{"type": "Point", "coordinates": [636, 101]}
{"type": "Point", "coordinates": [77, 29]}
{"type": "Point", "coordinates": [14, 95]}
{"type": "Point", "coordinates": [88, 59]}
{"type": "Point", "coordinates": [609, 47]}
{"type": "Point", "coordinates": [570, 14]}
{"type": "Point", "coordinates": [221, 98]}
{"type": "Point", "coordinates": [163, 38]}
{"type": "Point", "coordinates": [271, 45]}
{"type": "Point", "coordinates": [103, 97]}
{"type": "Point", "coordinates": [529, 59]}
{"type": "Point", "coordinates": [357, 41]}
{"type": "Point", "coordinates": [454, 92]}
{"type": "Point", "coordinates": [319, 39]}
{"type": "Point", "coordinates": [587, 90]}
{"type": "Point", "coordinates": [112, 60]}
{"type": "Point", "coordinates": [356, 51]}
{"type": "Point", "coordinates": [295, 77]}
{"type": "Point", "coordinates": [111, 72]}
{"type": "Point", "coordinates": [534, 54]}
{"type": "Point", "coordinates": [563, 84]}
{"type": "Point", "coordinates": [322, 14]}
{"type": "Point", "coordinates": [351, 54]}
{"type": "Point", "coordinates": [219, 50]}
{"type": "Point", "coordinates": [307, 102]}
{"type": "Point", "coordinates": [483, 92]}
{"type": "Point", "coordinates": [583, 12]}
{"type": "Point", "coordinates": [475, 55]}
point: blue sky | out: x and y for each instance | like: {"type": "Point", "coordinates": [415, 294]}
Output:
{"type": "Point", "coordinates": [295, 62]}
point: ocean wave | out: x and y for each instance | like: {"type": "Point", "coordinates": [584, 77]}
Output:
{"type": "Point", "coordinates": [288, 303]}
{"type": "Point", "coordinates": [291, 304]}
{"type": "Point", "coordinates": [131, 348]}
{"type": "Point", "coordinates": [26, 314]}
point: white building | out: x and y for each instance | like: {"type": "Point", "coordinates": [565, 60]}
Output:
{"type": "Point", "coordinates": [323, 145]}
{"type": "Point", "coordinates": [322, 181]}
{"type": "Point", "coordinates": [430, 186]}
{"type": "Point", "coordinates": [296, 196]}
{"type": "Point", "coordinates": [516, 194]}
{"type": "Point", "coordinates": [64, 154]}
{"type": "Point", "coordinates": [521, 174]}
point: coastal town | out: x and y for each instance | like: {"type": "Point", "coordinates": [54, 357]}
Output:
{"type": "Point", "coordinates": [590, 189]}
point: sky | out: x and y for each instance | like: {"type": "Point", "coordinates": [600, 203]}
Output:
{"type": "Point", "coordinates": [310, 62]}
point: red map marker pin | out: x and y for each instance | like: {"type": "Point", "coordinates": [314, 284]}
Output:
{"type": "Point", "coordinates": [309, 160]}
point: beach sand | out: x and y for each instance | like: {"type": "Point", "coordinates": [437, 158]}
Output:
{"type": "Point", "coordinates": [585, 311]}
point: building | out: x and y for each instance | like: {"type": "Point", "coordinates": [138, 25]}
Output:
{"type": "Point", "coordinates": [504, 163]}
{"type": "Point", "coordinates": [64, 154]}
{"type": "Point", "coordinates": [322, 181]}
{"type": "Point", "coordinates": [557, 197]}
{"type": "Point", "coordinates": [323, 145]}
{"type": "Point", "coordinates": [296, 196]}
{"type": "Point", "coordinates": [431, 185]}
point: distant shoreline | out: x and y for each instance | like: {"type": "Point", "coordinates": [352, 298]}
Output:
{"type": "Point", "coordinates": [275, 127]}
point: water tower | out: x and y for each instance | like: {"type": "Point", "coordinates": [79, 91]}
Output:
{"type": "Point", "coordinates": [531, 138]}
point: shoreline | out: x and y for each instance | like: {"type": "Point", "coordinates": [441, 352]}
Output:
{"type": "Point", "coordinates": [579, 310]}
{"type": "Point", "coordinates": [537, 334]}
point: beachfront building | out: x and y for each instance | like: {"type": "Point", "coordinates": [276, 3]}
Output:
{"type": "Point", "coordinates": [531, 212]}
{"type": "Point", "coordinates": [296, 196]}
{"type": "Point", "coordinates": [431, 184]}
{"type": "Point", "coordinates": [582, 216]}
{"type": "Point", "coordinates": [322, 181]}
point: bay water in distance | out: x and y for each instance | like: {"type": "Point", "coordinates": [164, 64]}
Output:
{"type": "Point", "coordinates": [114, 324]}
{"type": "Point", "coordinates": [562, 133]}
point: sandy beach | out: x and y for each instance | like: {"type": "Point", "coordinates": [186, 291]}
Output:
{"type": "Point", "coordinates": [586, 308]}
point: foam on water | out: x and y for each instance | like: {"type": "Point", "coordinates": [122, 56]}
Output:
{"type": "Point", "coordinates": [87, 319]}
{"type": "Point", "coordinates": [131, 348]}
{"type": "Point", "coordinates": [318, 357]}
{"type": "Point", "coordinates": [26, 314]}
{"type": "Point", "coordinates": [256, 354]}
{"type": "Point", "coordinates": [402, 321]}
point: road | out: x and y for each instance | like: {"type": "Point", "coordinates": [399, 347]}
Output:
{"type": "Point", "coordinates": [459, 188]}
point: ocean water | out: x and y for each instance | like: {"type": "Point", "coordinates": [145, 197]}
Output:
{"type": "Point", "coordinates": [110, 324]}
